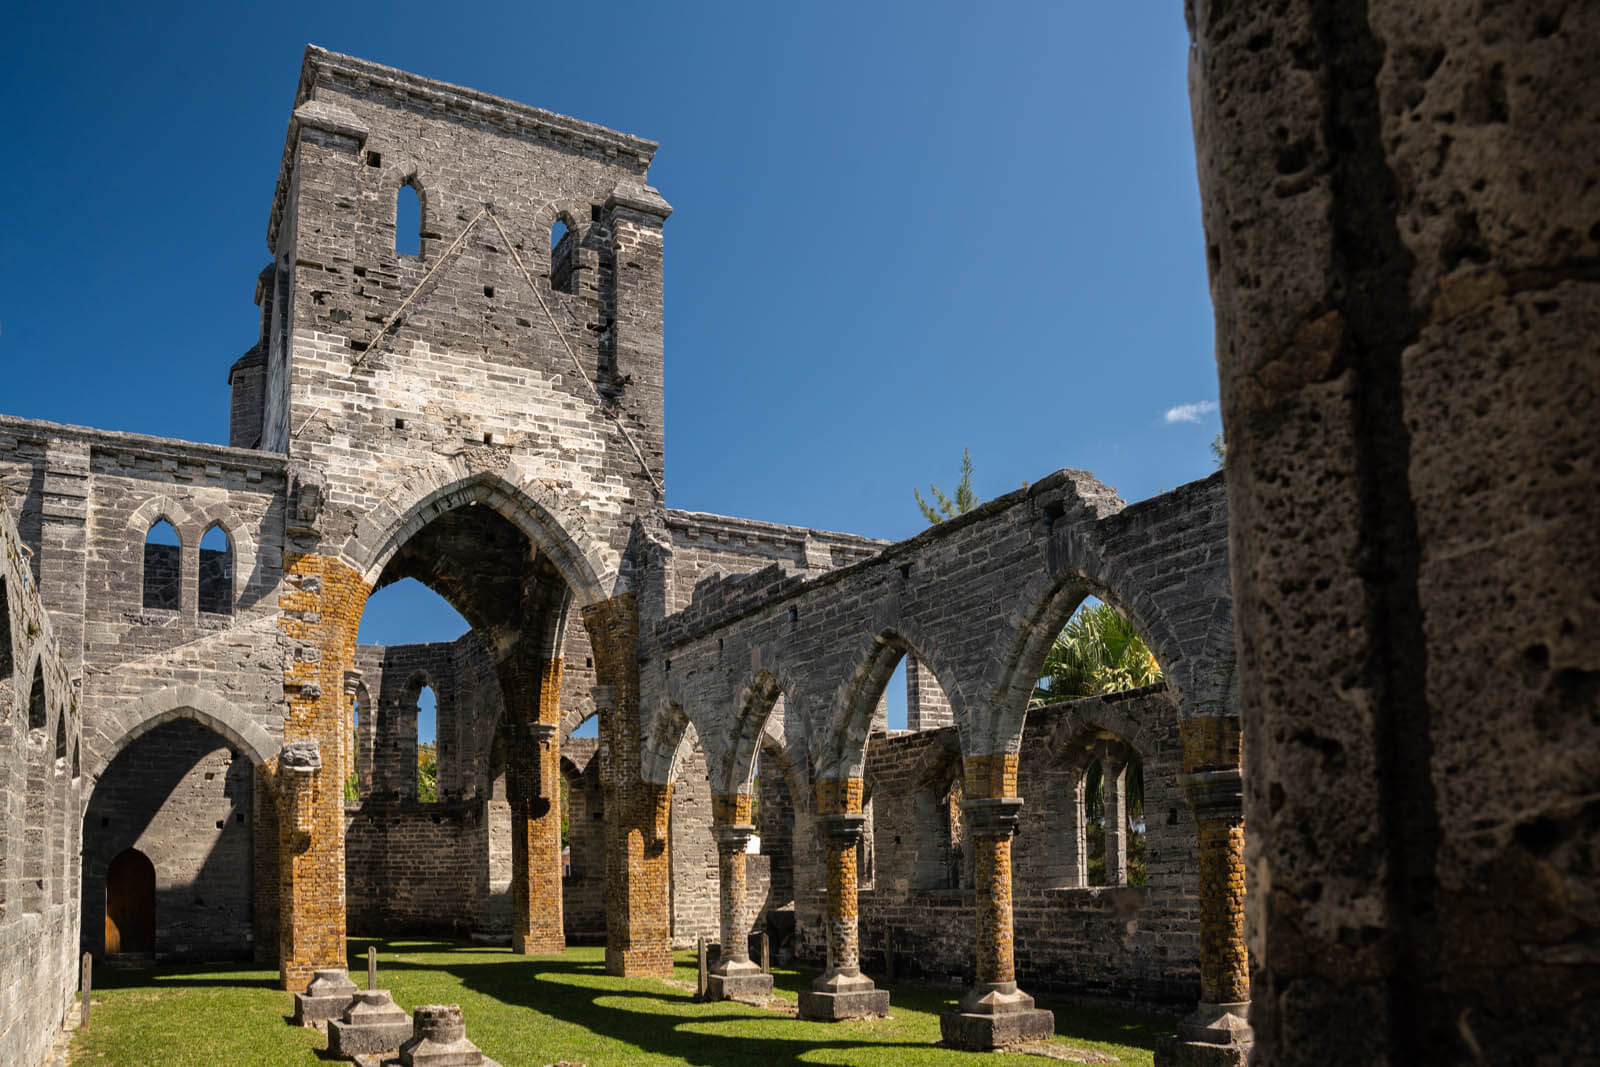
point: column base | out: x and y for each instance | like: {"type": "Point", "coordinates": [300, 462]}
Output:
{"type": "Point", "coordinates": [742, 979]}
{"type": "Point", "coordinates": [843, 996]}
{"type": "Point", "coordinates": [327, 996]}
{"type": "Point", "coordinates": [373, 1024]}
{"type": "Point", "coordinates": [639, 962]}
{"type": "Point", "coordinates": [1215, 1035]}
{"type": "Point", "coordinates": [539, 944]}
{"type": "Point", "coordinates": [994, 1015]}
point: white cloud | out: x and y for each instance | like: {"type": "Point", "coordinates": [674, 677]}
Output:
{"type": "Point", "coordinates": [1191, 412]}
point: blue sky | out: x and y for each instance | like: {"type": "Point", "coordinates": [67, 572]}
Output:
{"type": "Point", "coordinates": [899, 229]}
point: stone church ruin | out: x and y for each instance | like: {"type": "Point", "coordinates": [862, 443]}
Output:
{"type": "Point", "coordinates": [201, 762]}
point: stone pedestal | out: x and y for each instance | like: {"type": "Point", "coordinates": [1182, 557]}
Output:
{"type": "Point", "coordinates": [735, 975]}
{"type": "Point", "coordinates": [1216, 1035]}
{"type": "Point", "coordinates": [843, 997]}
{"type": "Point", "coordinates": [372, 1024]}
{"type": "Point", "coordinates": [994, 1013]}
{"type": "Point", "coordinates": [842, 991]}
{"type": "Point", "coordinates": [440, 1040]}
{"type": "Point", "coordinates": [327, 996]}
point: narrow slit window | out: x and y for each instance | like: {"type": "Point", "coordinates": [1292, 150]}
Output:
{"type": "Point", "coordinates": [162, 551]}
{"type": "Point", "coordinates": [216, 572]}
{"type": "Point", "coordinates": [563, 253]}
{"type": "Point", "coordinates": [427, 745]}
{"type": "Point", "coordinates": [5, 634]}
{"type": "Point", "coordinates": [408, 221]}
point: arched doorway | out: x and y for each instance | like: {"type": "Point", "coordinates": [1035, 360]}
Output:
{"type": "Point", "coordinates": [130, 903]}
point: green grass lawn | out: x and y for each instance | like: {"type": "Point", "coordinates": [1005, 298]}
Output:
{"type": "Point", "coordinates": [542, 1009]}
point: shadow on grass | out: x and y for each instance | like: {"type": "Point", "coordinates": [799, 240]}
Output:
{"type": "Point", "coordinates": [579, 994]}
{"type": "Point", "coordinates": [169, 976]}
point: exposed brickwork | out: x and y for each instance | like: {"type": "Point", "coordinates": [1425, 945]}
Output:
{"type": "Point", "coordinates": [322, 605]}
{"type": "Point", "coordinates": [637, 906]}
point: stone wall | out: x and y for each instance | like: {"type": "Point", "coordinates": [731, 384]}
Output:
{"type": "Point", "coordinates": [1400, 210]}
{"type": "Point", "coordinates": [416, 868]}
{"type": "Point", "coordinates": [1138, 942]}
{"type": "Point", "coordinates": [41, 793]}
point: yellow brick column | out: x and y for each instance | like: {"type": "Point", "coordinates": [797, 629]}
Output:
{"type": "Point", "coordinates": [734, 975]}
{"type": "Point", "coordinates": [532, 693]}
{"type": "Point", "coordinates": [842, 991]}
{"type": "Point", "coordinates": [320, 613]}
{"type": "Point", "coordinates": [638, 926]}
{"type": "Point", "coordinates": [1218, 1032]}
{"type": "Point", "coordinates": [994, 1013]}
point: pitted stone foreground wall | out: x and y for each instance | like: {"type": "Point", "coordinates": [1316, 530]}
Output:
{"type": "Point", "coordinates": [41, 790]}
{"type": "Point", "coordinates": [1401, 214]}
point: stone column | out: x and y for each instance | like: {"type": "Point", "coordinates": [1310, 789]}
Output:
{"type": "Point", "coordinates": [734, 975]}
{"type": "Point", "coordinates": [994, 1013]}
{"type": "Point", "coordinates": [842, 991]}
{"type": "Point", "coordinates": [638, 918]}
{"type": "Point", "coordinates": [321, 610]}
{"type": "Point", "coordinates": [533, 787]}
{"type": "Point", "coordinates": [1217, 1032]}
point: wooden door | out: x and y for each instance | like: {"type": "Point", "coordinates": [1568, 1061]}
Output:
{"type": "Point", "coordinates": [131, 903]}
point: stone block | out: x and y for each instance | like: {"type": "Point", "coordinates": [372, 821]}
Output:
{"type": "Point", "coordinates": [328, 995]}
{"type": "Point", "coordinates": [373, 1023]}
{"type": "Point", "coordinates": [441, 1040]}
{"type": "Point", "coordinates": [831, 1007]}
{"type": "Point", "coordinates": [981, 1032]}
{"type": "Point", "coordinates": [731, 986]}
{"type": "Point", "coordinates": [1174, 1051]}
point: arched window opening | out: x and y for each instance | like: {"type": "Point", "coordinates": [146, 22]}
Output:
{"type": "Point", "coordinates": [77, 763]}
{"type": "Point", "coordinates": [944, 852]}
{"type": "Point", "coordinates": [216, 571]}
{"type": "Point", "coordinates": [1113, 818]}
{"type": "Point", "coordinates": [774, 819]}
{"type": "Point", "coordinates": [61, 741]}
{"type": "Point", "coordinates": [1097, 652]}
{"type": "Point", "coordinates": [37, 716]}
{"type": "Point", "coordinates": [162, 565]}
{"type": "Point", "coordinates": [563, 257]}
{"type": "Point", "coordinates": [427, 745]}
{"type": "Point", "coordinates": [360, 750]}
{"type": "Point", "coordinates": [408, 220]}
{"type": "Point", "coordinates": [6, 666]}
{"type": "Point", "coordinates": [866, 848]}
{"type": "Point", "coordinates": [130, 903]}
{"type": "Point", "coordinates": [36, 801]}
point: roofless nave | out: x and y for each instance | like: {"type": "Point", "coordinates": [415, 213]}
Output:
{"type": "Point", "coordinates": [189, 719]}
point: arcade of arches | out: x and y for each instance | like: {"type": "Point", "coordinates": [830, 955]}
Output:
{"type": "Point", "coordinates": [199, 760]}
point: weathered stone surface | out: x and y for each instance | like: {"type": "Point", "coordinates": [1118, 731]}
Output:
{"type": "Point", "coordinates": [441, 1040]}
{"type": "Point", "coordinates": [328, 996]}
{"type": "Point", "coordinates": [1401, 235]}
{"type": "Point", "coordinates": [372, 1024]}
